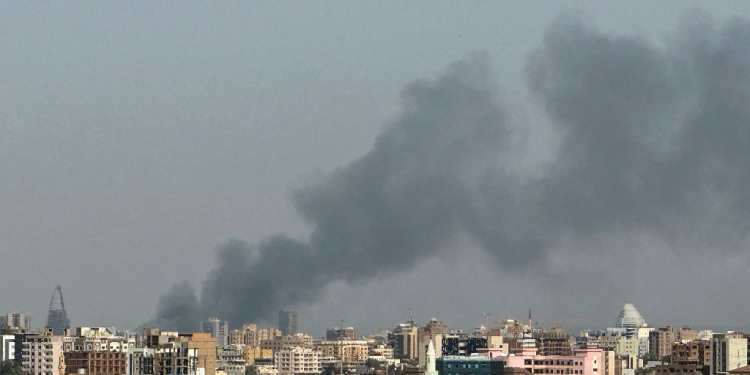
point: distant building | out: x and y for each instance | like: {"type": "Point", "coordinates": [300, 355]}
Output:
{"type": "Point", "coordinates": [287, 322]}
{"type": "Point", "coordinates": [461, 365]}
{"type": "Point", "coordinates": [456, 345]}
{"type": "Point", "coordinates": [218, 329]}
{"type": "Point", "coordinates": [405, 343]}
{"type": "Point", "coordinates": [350, 352]}
{"type": "Point", "coordinates": [278, 343]}
{"type": "Point", "coordinates": [57, 318]}
{"type": "Point", "coordinates": [14, 323]}
{"type": "Point", "coordinates": [338, 333]}
{"type": "Point", "coordinates": [433, 331]}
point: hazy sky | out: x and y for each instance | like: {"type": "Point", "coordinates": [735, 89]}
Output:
{"type": "Point", "coordinates": [136, 138]}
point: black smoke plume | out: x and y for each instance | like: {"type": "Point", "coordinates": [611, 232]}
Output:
{"type": "Point", "coordinates": [652, 139]}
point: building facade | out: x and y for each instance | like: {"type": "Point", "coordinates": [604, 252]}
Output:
{"type": "Point", "coordinates": [40, 354]}
{"type": "Point", "coordinates": [298, 361]}
{"type": "Point", "coordinates": [728, 352]}
{"type": "Point", "coordinates": [287, 322]}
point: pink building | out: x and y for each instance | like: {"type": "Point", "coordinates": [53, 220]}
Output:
{"type": "Point", "coordinates": [583, 362]}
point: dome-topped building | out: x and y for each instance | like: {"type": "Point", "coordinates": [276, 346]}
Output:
{"type": "Point", "coordinates": [630, 318]}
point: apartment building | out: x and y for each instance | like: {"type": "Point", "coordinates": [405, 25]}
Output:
{"type": "Point", "coordinates": [298, 361]}
{"type": "Point", "coordinates": [347, 351]}
{"type": "Point", "coordinates": [584, 361]}
{"type": "Point", "coordinates": [660, 341]}
{"type": "Point", "coordinates": [40, 354]}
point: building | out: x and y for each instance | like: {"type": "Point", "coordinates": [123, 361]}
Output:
{"type": "Point", "coordinates": [57, 318]}
{"type": "Point", "coordinates": [349, 352]}
{"type": "Point", "coordinates": [405, 341]}
{"type": "Point", "coordinates": [690, 358]}
{"type": "Point", "coordinates": [728, 352]}
{"type": "Point", "coordinates": [14, 322]}
{"type": "Point", "coordinates": [625, 347]}
{"type": "Point", "coordinates": [686, 334]}
{"type": "Point", "coordinates": [454, 345]}
{"type": "Point", "coordinates": [584, 361]}
{"type": "Point", "coordinates": [278, 343]}
{"type": "Point", "coordinates": [7, 347]}
{"type": "Point", "coordinates": [660, 341]}
{"type": "Point", "coordinates": [99, 362]}
{"type": "Point", "coordinates": [476, 365]}
{"type": "Point", "coordinates": [40, 354]}
{"type": "Point", "coordinates": [218, 329]}
{"type": "Point", "coordinates": [177, 359]}
{"type": "Point", "coordinates": [630, 323]}
{"type": "Point", "coordinates": [231, 359]}
{"type": "Point", "coordinates": [433, 331]}
{"type": "Point", "coordinates": [248, 335]}
{"type": "Point", "coordinates": [140, 361]}
{"type": "Point", "coordinates": [553, 341]}
{"type": "Point", "coordinates": [205, 350]}
{"type": "Point", "coordinates": [338, 333]}
{"type": "Point", "coordinates": [298, 361]}
{"type": "Point", "coordinates": [287, 322]}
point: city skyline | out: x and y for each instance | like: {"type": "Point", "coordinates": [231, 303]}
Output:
{"type": "Point", "coordinates": [587, 156]}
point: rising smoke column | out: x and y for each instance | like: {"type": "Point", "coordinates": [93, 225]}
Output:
{"type": "Point", "coordinates": [653, 139]}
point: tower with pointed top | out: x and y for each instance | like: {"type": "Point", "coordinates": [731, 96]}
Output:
{"type": "Point", "coordinates": [430, 360]}
{"type": "Point", "coordinates": [57, 319]}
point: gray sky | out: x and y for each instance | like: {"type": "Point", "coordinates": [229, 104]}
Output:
{"type": "Point", "coordinates": [137, 138]}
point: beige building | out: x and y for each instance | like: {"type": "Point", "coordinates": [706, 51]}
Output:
{"type": "Point", "coordinates": [298, 361]}
{"type": "Point", "coordinates": [205, 347]}
{"type": "Point", "coordinates": [347, 351]}
{"type": "Point", "coordinates": [690, 358]}
{"type": "Point", "coordinates": [625, 347]}
{"type": "Point", "coordinates": [40, 354]}
{"type": "Point", "coordinates": [728, 352]}
{"type": "Point", "coordinates": [660, 341]}
{"type": "Point", "coordinates": [406, 341]}
{"type": "Point", "coordinates": [287, 342]}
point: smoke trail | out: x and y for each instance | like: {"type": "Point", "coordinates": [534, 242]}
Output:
{"type": "Point", "coordinates": [654, 139]}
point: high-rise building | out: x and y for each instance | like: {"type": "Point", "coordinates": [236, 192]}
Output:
{"type": "Point", "coordinates": [660, 341]}
{"type": "Point", "coordinates": [406, 340]}
{"type": "Point", "coordinates": [728, 352]}
{"type": "Point", "coordinates": [218, 329]}
{"type": "Point", "coordinates": [57, 320]}
{"type": "Point", "coordinates": [14, 322]}
{"type": "Point", "coordinates": [287, 322]}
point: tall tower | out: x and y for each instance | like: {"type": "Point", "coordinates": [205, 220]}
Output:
{"type": "Point", "coordinates": [430, 360]}
{"type": "Point", "coordinates": [57, 319]}
{"type": "Point", "coordinates": [287, 322]}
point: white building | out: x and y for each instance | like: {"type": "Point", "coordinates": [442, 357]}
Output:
{"type": "Point", "coordinates": [40, 354]}
{"type": "Point", "coordinates": [140, 361]}
{"type": "Point", "coordinates": [298, 361]}
{"type": "Point", "coordinates": [728, 352]}
{"type": "Point", "coordinates": [8, 348]}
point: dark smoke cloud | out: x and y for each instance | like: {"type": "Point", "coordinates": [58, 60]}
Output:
{"type": "Point", "coordinates": [653, 139]}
